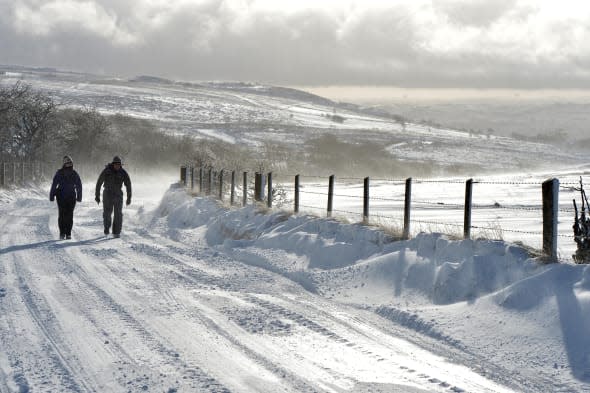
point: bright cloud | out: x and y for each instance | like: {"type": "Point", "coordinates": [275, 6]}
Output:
{"type": "Point", "coordinates": [43, 18]}
{"type": "Point", "coordinates": [476, 43]}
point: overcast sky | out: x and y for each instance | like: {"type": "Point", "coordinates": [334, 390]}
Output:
{"type": "Point", "coordinates": [409, 43]}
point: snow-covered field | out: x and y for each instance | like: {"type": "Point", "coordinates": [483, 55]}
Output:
{"type": "Point", "coordinates": [199, 297]}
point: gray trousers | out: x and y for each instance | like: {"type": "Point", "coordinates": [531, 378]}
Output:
{"type": "Point", "coordinates": [112, 202]}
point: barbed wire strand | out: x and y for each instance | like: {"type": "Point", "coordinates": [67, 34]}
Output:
{"type": "Point", "coordinates": [402, 181]}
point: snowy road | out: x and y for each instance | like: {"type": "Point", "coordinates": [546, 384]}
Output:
{"type": "Point", "coordinates": [154, 312]}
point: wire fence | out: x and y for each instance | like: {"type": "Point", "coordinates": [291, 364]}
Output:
{"type": "Point", "coordinates": [510, 209]}
{"type": "Point", "coordinates": [19, 173]}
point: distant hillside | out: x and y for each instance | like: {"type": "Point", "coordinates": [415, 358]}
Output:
{"type": "Point", "coordinates": [289, 122]}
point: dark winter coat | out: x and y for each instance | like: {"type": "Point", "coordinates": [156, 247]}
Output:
{"type": "Point", "coordinates": [113, 182]}
{"type": "Point", "coordinates": [66, 185]}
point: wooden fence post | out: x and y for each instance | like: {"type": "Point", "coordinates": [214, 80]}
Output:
{"type": "Point", "coordinates": [407, 208]}
{"type": "Point", "coordinates": [330, 195]}
{"type": "Point", "coordinates": [192, 177]}
{"type": "Point", "coordinates": [467, 215]}
{"type": "Point", "coordinates": [3, 175]}
{"type": "Point", "coordinates": [366, 201]}
{"type": "Point", "coordinates": [200, 179]}
{"type": "Point", "coordinates": [221, 185]}
{"type": "Point", "coordinates": [296, 198]}
{"type": "Point", "coordinates": [269, 190]}
{"type": "Point", "coordinates": [232, 194]}
{"type": "Point", "coordinates": [22, 175]}
{"type": "Point", "coordinates": [245, 189]}
{"type": "Point", "coordinates": [550, 208]}
{"type": "Point", "coordinates": [259, 187]}
{"type": "Point", "coordinates": [13, 172]}
{"type": "Point", "coordinates": [210, 188]}
{"type": "Point", "coordinates": [183, 174]}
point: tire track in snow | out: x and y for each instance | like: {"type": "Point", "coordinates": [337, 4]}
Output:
{"type": "Point", "coordinates": [295, 317]}
{"type": "Point", "coordinates": [66, 270]}
{"type": "Point", "coordinates": [276, 312]}
{"type": "Point", "coordinates": [157, 344]}
{"type": "Point", "coordinates": [187, 371]}
{"type": "Point", "coordinates": [53, 358]}
{"type": "Point", "coordinates": [5, 340]}
{"type": "Point", "coordinates": [67, 279]}
{"type": "Point", "coordinates": [316, 325]}
{"type": "Point", "coordinates": [46, 322]}
{"type": "Point", "coordinates": [412, 331]}
{"type": "Point", "coordinates": [299, 318]}
{"type": "Point", "coordinates": [190, 276]}
{"type": "Point", "coordinates": [105, 322]}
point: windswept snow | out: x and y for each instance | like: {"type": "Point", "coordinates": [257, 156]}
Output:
{"type": "Point", "coordinates": [196, 296]}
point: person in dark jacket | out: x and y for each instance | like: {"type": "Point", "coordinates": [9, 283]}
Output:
{"type": "Point", "coordinates": [113, 177]}
{"type": "Point", "coordinates": [67, 189]}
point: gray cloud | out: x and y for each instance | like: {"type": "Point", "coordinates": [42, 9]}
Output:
{"type": "Point", "coordinates": [476, 13]}
{"type": "Point", "coordinates": [452, 43]}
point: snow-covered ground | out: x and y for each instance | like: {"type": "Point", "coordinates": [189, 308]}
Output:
{"type": "Point", "coordinates": [196, 296]}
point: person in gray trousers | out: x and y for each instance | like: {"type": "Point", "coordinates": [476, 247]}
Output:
{"type": "Point", "coordinates": [113, 177]}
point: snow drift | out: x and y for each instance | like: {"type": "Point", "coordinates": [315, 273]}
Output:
{"type": "Point", "coordinates": [444, 271]}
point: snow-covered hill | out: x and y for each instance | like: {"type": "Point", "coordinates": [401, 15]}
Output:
{"type": "Point", "coordinates": [252, 115]}
{"type": "Point", "coordinates": [199, 297]}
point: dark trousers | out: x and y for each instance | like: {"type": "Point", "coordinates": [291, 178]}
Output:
{"type": "Point", "coordinates": [112, 202]}
{"type": "Point", "coordinates": [66, 215]}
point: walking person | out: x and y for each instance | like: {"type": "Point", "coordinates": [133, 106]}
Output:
{"type": "Point", "coordinates": [113, 177]}
{"type": "Point", "coordinates": [67, 189]}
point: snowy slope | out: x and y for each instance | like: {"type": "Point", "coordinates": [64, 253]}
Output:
{"type": "Point", "coordinates": [252, 115]}
{"type": "Point", "coordinates": [198, 297]}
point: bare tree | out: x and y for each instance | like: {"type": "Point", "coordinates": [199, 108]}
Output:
{"type": "Point", "coordinates": [27, 119]}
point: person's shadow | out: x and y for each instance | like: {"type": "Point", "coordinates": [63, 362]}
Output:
{"type": "Point", "coordinates": [51, 244]}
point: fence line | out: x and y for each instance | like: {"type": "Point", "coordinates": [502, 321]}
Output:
{"type": "Point", "coordinates": [418, 181]}
{"type": "Point", "coordinates": [263, 190]}
{"type": "Point", "coordinates": [18, 173]}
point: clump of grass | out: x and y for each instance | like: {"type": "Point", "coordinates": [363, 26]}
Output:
{"type": "Point", "coordinates": [531, 251]}
{"type": "Point", "coordinates": [452, 232]}
{"type": "Point", "coordinates": [492, 231]}
{"type": "Point", "coordinates": [393, 229]}
{"type": "Point", "coordinates": [262, 208]}
{"type": "Point", "coordinates": [341, 218]}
